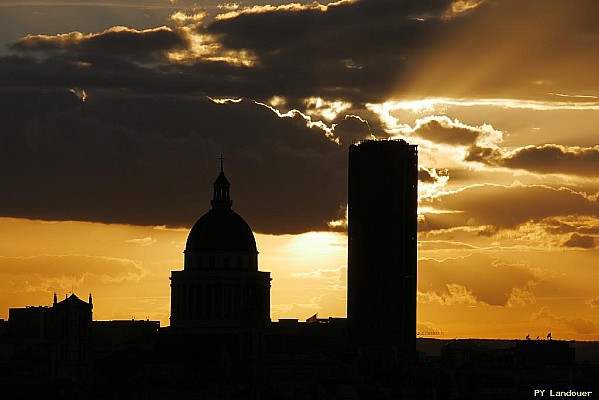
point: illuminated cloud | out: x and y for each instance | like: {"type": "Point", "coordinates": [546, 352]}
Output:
{"type": "Point", "coordinates": [206, 48]}
{"type": "Point", "coordinates": [308, 120]}
{"type": "Point", "coordinates": [50, 269]}
{"type": "Point", "coordinates": [329, 110]}
{"type": "Point", "coordinates": [577, 325]}
{"type": "Point", "coordinates": [472, 279]}
{"type": "Point", "coordinates": [454, 295]}
{"type": "Point", "coordinates": [437, 129]}
{"type": "Point", "coordinates": [431, 182]}
{"type": "Point", "coordinates": [145, 241]}
{"type": "Point", "coordinates": [335, 279]}
{"type": "Point", "coordinates": [326, 304]}
{"type": "Point", "coordinates": [187, 17]}
{"type": "Point", "coordinates": [594, 302]}
{"type": "Point", "coordinates": [427, 245]}
{"type": "Point", "coordinates": [224, 101]}
{"type": "Point", "coordinates": [461, 6]}
{"type": "Point", "coordinates": [291, 7]}
{"type": "Point", "coordinates": [228, 6]}
{"type": "Point", "coordinates": [79, 93]}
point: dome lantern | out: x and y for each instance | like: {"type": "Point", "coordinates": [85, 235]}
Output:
{"type": "Point", "coordinates": [221, 198]}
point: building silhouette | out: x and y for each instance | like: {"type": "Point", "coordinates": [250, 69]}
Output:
{"type": "Point", "coordinates": [220, 290]}
{"type": "Point", "coordinates": [58, 337]}
{"type": "Point", "coordinates": [72, 335]}
{"type": "Point", "coordinates": [382, 247]}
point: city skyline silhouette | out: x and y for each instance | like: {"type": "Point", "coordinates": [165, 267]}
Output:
{"type": "Point", "coordinates": [115, 122]}
{"type": "Point", "coordinates": [113, 117]}
{"type": "Point", "coordinates": [221, 342]}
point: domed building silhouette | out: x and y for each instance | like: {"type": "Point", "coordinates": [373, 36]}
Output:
{"type": "Point", "coordinates": [220, 287]}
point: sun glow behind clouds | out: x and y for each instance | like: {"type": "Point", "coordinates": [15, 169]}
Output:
{"type": "Point", "coordinates": [308, 271]}
{"type": "Point", "coordinates": [440, 105]}
{"type": "Point", "coordinates": [317, 243]}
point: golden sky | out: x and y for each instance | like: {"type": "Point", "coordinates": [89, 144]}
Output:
{"type": "Point", "coordinates": [114, 116]}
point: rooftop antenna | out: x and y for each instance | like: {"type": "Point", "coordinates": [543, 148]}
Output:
{"type": "Point", "coordinates": [221, 158]}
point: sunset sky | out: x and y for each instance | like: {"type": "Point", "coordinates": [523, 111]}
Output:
{"type": "Point", "coordinates": [113, 115]}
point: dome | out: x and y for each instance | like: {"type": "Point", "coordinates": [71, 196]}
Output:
{"type": "Point", "coordinates": [221, 230]}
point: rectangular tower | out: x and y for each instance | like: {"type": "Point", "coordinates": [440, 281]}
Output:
{"type": "Point", "coordinates": [382, 254]}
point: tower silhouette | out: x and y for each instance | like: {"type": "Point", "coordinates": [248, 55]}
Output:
{"type": "Point", "coordinates": [382, 248]}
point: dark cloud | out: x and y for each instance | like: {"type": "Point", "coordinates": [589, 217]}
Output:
{"type": "Point", "coordinates": [131, 153]}
{"type": "Point", "coordinates": [351, 51]}
{"type": "Point", "coordinates": [443, 130]}
{"type": "Point", "coordinates": [370, 50]}
{"type": "Point", "coordinates": [120, 58]}
{"type": "Point", "coordinates": [136, 45]}
{"type": "Point", "coordinates": [151, 160]}
{"type": "Point", "coordinates": [425, 176]}
{"type": "Point", "coordinates": [484, 155]}
{"type": "Point", "coordinates": [552, 158]}
{"type": "Point", "coordinates": [581, 241]}
{"type": "Point", "coordinates": [546, 159]}
{"type": "Point", "coordinates": [507, 206]}
{"type": "Point", "coordinates": [352, 129]}
{"type": "Point", "coordinates": [583, 225]}
{"type": "Point", "coordinates": [18, 19]}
